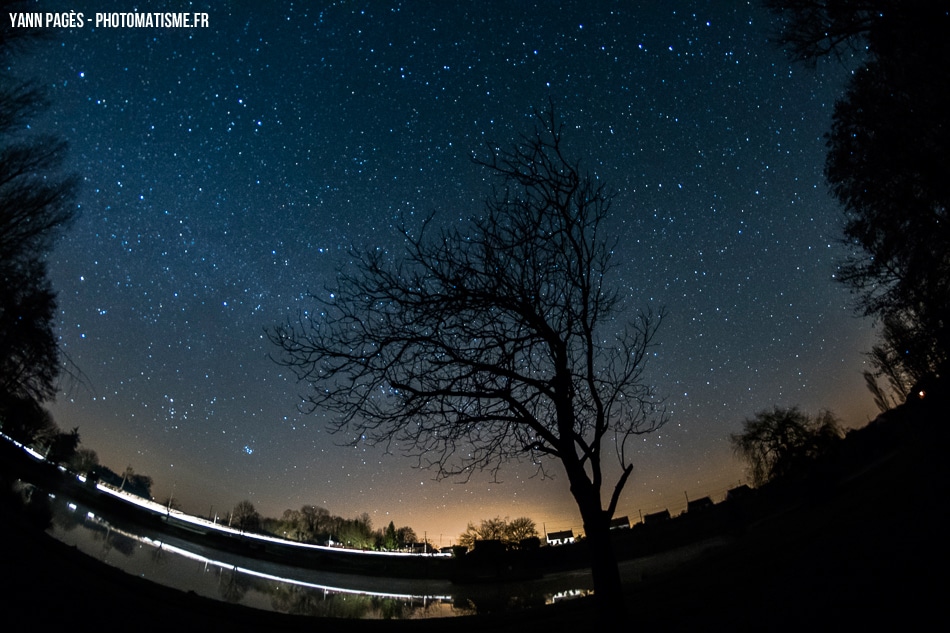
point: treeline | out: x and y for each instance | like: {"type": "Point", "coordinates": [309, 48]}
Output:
{"type": "Point", "coordinates": [313, 524]}
{"type": "Point", "coordinates": [30, 424]}
{"type": "Point", "coordinates": [27, 422]}
{"type": "Point", "coordinates": [512, 533]}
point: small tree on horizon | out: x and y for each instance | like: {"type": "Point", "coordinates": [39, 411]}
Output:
{"type": "Point", "coordinates": [510, 532]}
{"type": "Point", "coordinates": [406, 536]}
{"type": "Point", "coordinates": [486, 530]}
{"type": "Point", "coordinates": [84, 460]}
{"type": "Point", "coordinates": [390, 541]}
{"type": "Point", "coordinates": [245, 516]}
{"type": "Point", "coordinates": [781, 443]}
{"type": "Point", "coordinates": [62, 446]}
{"type": "Point", "coordinates": [519, 529]}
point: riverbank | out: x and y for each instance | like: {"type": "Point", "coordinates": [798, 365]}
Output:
{"type": "Point", "coordinates": [131, 513]}
{"type": "Point", "coordinates": [867, 554]}
{"type": "Point", "coordinates": [829, 566]}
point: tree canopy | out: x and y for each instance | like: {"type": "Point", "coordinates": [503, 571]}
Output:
{"type": "Point", "coordinates": [36, 203]}
{"type": "Point", "coordinates": [511, 533]}
{"type": "Point", "coordinates": [889, 151]}
{"type": "Point", "coordinates": [502, 339]}
{"type": "Point", "coordinates": [781, 443]}
{"type": "Point", "coordinates": [245, 516]}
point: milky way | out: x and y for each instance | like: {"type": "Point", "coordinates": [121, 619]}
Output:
{"type": "Point", "coordinates": [227, 169]}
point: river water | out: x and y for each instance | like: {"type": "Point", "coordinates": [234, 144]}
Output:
{"type": "Point", "coordinates": [237, 579]}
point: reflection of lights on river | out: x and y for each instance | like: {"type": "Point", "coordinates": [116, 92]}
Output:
{"type": "Point", "coordinates": [184, 520]}
{"type": "Point", "coordinates": [293, 581]}
{"type": "Point", "coordinates": [436, 597]}
{"type": "Point", "coordinates": [258, 574]}
{"type": "Point", "coordinates": [178, 518]}
{"type": "Point", "coordinates": [282, 586]}
{"type": "Point", "coordinates": [569, 594]}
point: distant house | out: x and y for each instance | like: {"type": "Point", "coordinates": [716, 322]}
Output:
{"type": "Point", "coordinates": [561, 538]}
{"type": "Point", "coordinates": [739, 492]}
{"type": "Point", "coordinates": [620, 523]}
{"type": "Point", "coordinates": [698, 505]}
{"type": "Point", "coordinates": [656, 517]}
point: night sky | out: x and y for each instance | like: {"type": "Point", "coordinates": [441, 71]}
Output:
{"type": "Point", "coordinates": [227, 169]}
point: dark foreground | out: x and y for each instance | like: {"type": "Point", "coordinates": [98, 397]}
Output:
{"type": "Point", "coordinates": [869, 554]}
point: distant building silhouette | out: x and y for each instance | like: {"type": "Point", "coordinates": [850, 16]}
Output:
{"type": "Point", "coordinates": [656, 517]}
{"type": "Point", "coordinates": [698, 505]}
{"type": "Point", "coordinates": [739, 492]}
{"type": "Point", "coordinates": [620, 523]}
{"type": "Point", "coordinates": [560, 538]}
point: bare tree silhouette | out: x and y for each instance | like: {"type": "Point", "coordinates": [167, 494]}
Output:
{"type": "Point", "coordinates": [503, 340]}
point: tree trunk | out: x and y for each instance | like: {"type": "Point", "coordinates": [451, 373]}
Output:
{"type": "Point", "coordinates": [608, 590]}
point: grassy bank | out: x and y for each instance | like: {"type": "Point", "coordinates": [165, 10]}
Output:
{"type": "Point", "coordinates": [866, 553]}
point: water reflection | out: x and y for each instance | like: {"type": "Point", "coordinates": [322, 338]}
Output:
{"type": "Point", "coordinates": [237, 579]}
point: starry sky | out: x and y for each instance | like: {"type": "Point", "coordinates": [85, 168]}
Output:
{"type": "Point", "coordinates": [227, 169]}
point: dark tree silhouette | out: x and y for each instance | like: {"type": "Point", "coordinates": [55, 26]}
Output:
{"type": "Point", "coordinates": [486, 530]}
{"type": "Point", "coordinates": [314, 520]}
{"type": "Point", "coordinates": [62, 446]}
{"type": "Point", "coordinates": [406, 536]}
{"type": "Point", "coordinates": [84, 460]}
{"type": "Point", "coordinates": [170, 503]}
{"type": "Point", "coordinates": [519, 529]}
{"type": "Point", "coordinates": [511, 533]}
{"type": "Point", "coordinates": [133, 482]}
{"type": "Point", "coordinates": [781, 443]}
{"type": "Point", "coordinates": [36, 203]}
{"type": "Point", "coordinates": [388, 539]}
{"type": "Point", "coordinates": [245, 516]}
{"type": "Point", "coordinates": [813, 29]}
{"type": "Point", "coordinates": [889, 151]}
{"type": "Point", "coordinates": [501, 340]}
{"type": "Point", "coordinates": [24, 420]}
{"type": "Point", "coordinates": [29, 356]}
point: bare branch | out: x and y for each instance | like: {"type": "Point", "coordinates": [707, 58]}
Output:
{"type": "Point", "coordinates": [499, 341]}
